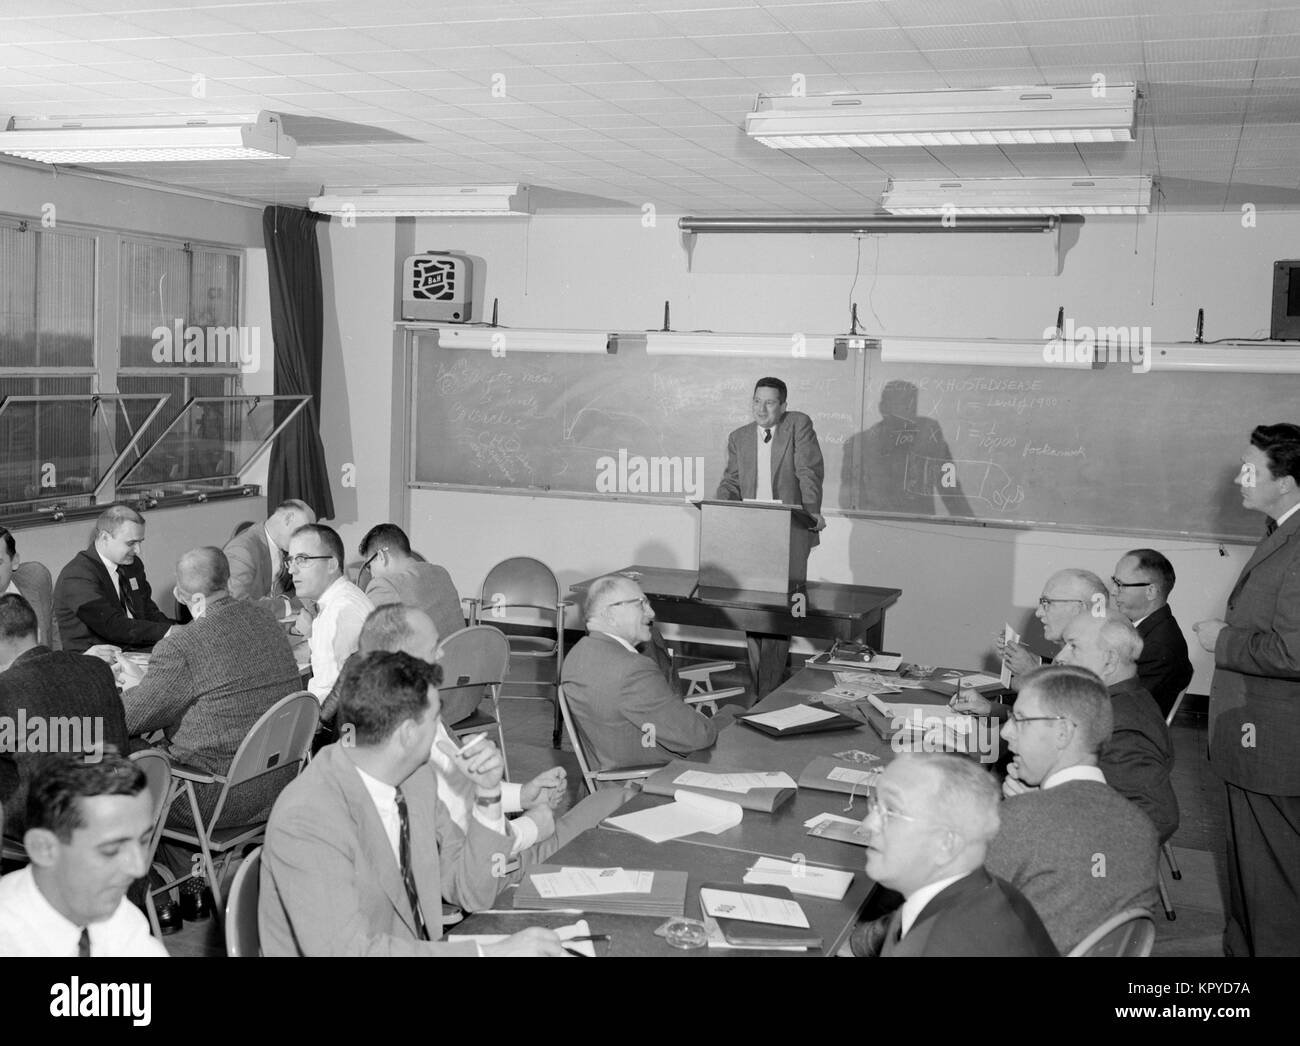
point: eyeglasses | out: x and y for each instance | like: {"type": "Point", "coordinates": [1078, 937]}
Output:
{"type": "Point", "coordinates": [1020, 720]}
{"type": "Point", "coordinates": [299, 561]}
{"type": "Point", "coordinates": [1045, 601]}
{"type": "Point", "coordinates": [875, 806]}
{"type": "Point", "coordinates": [1128, 584]}
{"type": "Point", "coordinates": [624, 602]}
{"type": "Point", "coordinates": [373, 556]}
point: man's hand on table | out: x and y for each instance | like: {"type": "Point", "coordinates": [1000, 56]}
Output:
{"type": "Point", "coordinates": [106, 652]}
{"type": "Point", "coordinates": [971, 702]}
{"type": "Point", "coordinates": [533, 941]}
{"type": "Point", "coordinates": [544, 819]}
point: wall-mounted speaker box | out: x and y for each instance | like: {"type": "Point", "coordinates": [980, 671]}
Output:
{"type": "Point", "coordinates": [438, 286]}
{"type": "Point", "coordinates": [1286, 301]}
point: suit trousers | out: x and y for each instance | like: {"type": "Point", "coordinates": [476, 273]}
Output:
{"type": "Point", "coordinates": [1263, 874]}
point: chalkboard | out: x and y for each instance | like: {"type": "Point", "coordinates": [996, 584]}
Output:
{"type": "Point", "coordinates": [1109, 450]}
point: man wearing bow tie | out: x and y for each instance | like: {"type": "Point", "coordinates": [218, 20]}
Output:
{"type": "Point", "coordinates": [103, 595]}
{"type": "Point", "coordinates": [776, 457]}
{"type": "Point", "coordinates": [1255, 706]}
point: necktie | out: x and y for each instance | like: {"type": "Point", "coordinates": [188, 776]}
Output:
{"type": "Point", "coordinates": [767, 435]}
{"type": "Point", "coordinates": [83, 944]}
{"type": "Point", "coordinates": [1269, 527]}
{"type": "Point", "coordinates": [408, 876]}
{"type": "Point", "coordinates": [123, 587]}
{"type": "Point", "coordinates": [894, 934]}
{"type": "Point", "coordinates": [284, 579]}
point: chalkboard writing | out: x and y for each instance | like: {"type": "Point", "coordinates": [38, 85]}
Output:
{"type": "Point", "coordinates": [1109, 449]}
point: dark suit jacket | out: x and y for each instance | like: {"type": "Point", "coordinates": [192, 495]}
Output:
{"type": "Point", "coordinates": [35, 585]}
{"type": "Point", "coordinates": [978, 915]}
{"type": "Point", "coordinates": [331, 885]}
{"type": "Point", "coordinates": [797, 468]}
{"type": "Point", "coordinates": [61, 692]}
{"type": "Point", "coordinates": [1139, 755]}
{"type": "Point", "coordinates": [1255, 692]}
{"type": "Point", "coordinates": [1163, 669]}
{"type": "Point", "coordinates": [616, 695]}
{"type": "Point", "coordinates": [88, 610]}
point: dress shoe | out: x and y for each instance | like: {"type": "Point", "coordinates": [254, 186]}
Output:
{"type": "Point", "coordinates": [169, 917]}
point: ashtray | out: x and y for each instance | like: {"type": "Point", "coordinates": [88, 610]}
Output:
{"type": "Point", "coordinates": [683, 933]}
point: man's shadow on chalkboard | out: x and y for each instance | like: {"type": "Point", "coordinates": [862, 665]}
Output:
{"type": "Point", "coordinates": [902, 463]}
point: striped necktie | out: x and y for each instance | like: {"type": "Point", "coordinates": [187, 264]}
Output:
{"type": "Point", "coordinates": [1269, 527]}
{"type": "Point", "coordinates": [408, 876]}
{"type": "Point", "coordinates": [83, 944]}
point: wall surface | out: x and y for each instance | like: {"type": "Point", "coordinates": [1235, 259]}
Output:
{"type": "Point", "coordinates": [960, 583]}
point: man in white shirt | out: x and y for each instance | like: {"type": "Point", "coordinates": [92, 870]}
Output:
{"type": "Point", "coordinates": [930, 819]}
{"type": "Point", "coordinates": [1074, 846]}
{"type": "Point", "coordinates": [536, 832]}
{"type": "Point", "coordinates": [332, 629]}
{"type": "Point", "coordinates": [87, 837]}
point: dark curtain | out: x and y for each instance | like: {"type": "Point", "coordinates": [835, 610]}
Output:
{"type": "Point", "coordinates": [297, 468]}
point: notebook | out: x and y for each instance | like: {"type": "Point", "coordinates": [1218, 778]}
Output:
{"type": "Point", "coordinates": [828, 774]}
{"type": "Point", "coordinates": [666, 896]}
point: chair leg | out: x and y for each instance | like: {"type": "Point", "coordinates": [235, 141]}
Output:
{"type": "Point", "coordinates": [1170, 914]}
{"type": "Point", "coordinates": [559, 723]}
{"type": "Point", "coordinates": [1168, 851]}
{"type": "Point", "coordinates": [209, 866]}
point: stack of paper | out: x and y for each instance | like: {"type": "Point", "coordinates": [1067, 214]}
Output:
{"type": "Point", "coordinates": [759, 915]}
{"type": "Point", "coordinates": [689, 813]}
{"type": "Point", "coordinates": [578, 929]}
{"type": "Point", "coordinates": [811, 880]}
{"type": "Point", "coordinates": [764, 790]}
{"type": "Point", "coordinates": [594, 890]}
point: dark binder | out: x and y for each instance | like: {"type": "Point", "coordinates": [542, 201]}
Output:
{"type": "Point", "coordinates": [838, 721]}
{"type": "Point", "coordinates": [761, 935]}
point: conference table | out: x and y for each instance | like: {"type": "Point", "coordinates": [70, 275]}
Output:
{"type": "Point", "coordinates": [822, 610]}
{"type": "Point", "coordinates": [727, 856]}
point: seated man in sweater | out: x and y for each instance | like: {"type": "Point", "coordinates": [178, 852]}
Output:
{"type": "Point", "coordinates": [1077, 849]}
{"type": "Point", "coordinates": [625, 708]}
{"type": "Point", "coordinates": [1139, 755]}
{"type": "Point", "coordinates": [931, 818]}
{"type": "Point", "coordinates": [537, 832]}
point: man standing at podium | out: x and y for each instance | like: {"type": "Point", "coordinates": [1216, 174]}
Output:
{"type": "Point", "coordinates": [775, 457]}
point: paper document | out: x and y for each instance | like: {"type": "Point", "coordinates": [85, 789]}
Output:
{"type": "Point", "coordinates": [590, 882]}
{"type": "Point", "coordinates": [808, 879]}
{"type": "Point", "coordinates": [578, 929]}
{"type": "Point", "coordinates": [751, 907]}
{"type": "Point", "coordinates": [795, 715]}
{"type": "Point", "coordinates": [923, 718]}
{"type": "Point", "coordinates": [853, 777]}
{"type": "Point", "coordinates": [1009, 635]}
{"type": "Point", "coordinates": [688, 814]}
{"type": "Point", "coordinates": [813, 822]}
{"type": "Point", "coordinates": [743, 782]}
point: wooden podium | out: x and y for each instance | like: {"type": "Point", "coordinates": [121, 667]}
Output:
{"type": "Point", "coordinates": [753, 545]}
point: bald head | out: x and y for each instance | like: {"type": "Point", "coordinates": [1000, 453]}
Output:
{"type": "Point", "coordinates": [204, 571]}
{"type": "Point", "coordinates": [397, 628]}
{"type": "Point", "coordinates": [288, 517]}
{"type": "Point", "coordinates": [1067, 594]}
{"type": "Point", "coordinates": [1109, 646]}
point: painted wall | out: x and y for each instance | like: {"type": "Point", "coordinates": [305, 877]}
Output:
{"type": "Point", "coordinates": [960, 583]}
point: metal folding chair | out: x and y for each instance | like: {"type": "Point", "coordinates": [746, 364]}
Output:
{"type": "Point", "coordinates": [518, 591]}
{"type": "Point", "coordinates": [282, 737]}
{"type": "Point", "coordinates": [1128, 935]}
{"type": "Point", "coordinates": [591, 778]}
{"type": "Point", "coordinates": [1166, 850]}
{"type": "Point", "coordinates": [474, 662]}
{"type": "Point", "coordinates": [157, 767]}
{"type": "Point", "coordinates": [242, 940]}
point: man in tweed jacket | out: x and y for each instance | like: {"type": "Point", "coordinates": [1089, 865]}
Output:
{"type": "Point", "coordinates": [1077, 849]}
{"type": "Point", "coordinates": [209, 682]}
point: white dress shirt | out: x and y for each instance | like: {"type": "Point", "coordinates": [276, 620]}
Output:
{"type": "Point", "coordinates": [1286, 515]}
{"type": "Point", "coordinates": [915, 904]}
{"type": "Point", "coordinates": [1073, 773]}
{"type": "Point", "coordinates": [457, 793]}
{"type": "Point", "coordinates": [12, 590]}
{"type": "Point", "coordinates": [763, 491]}
{"type": "Point", "coordinates": [116, 578]}
{"type": "Point", "coordinates": [620, 639]}
{"type": "Point", "coordinates": [341, 611]}
{"type": "Point", "coordinates": [30, 926]}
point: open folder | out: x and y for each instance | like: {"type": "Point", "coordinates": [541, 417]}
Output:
{"type": "Point", "coordinates": [690, 813]}
{"type": "Point", "coordinates": [761, 790]}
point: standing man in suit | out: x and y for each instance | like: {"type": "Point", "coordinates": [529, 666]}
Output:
{"type": "Point", "coordinates": [1255, 706]}
{"type": "Point", "coordinates": [72, 692]}
{"type": "Point", "coordinates": [931, 818]}
{"type": "Point", "coordinates": [360, 851]}
{"type": "Point", "coordinates": [103, 595]}
{"type": "Point", "coordinates": [776, 457]}
{"type": "Point", "coordinates": [1140, 589]}
{"type": "Point", "coordinates": [622, 703]}
{"type": "Point", "coordinates": [32, 581]}
{"type": "Point", "coordinates": [258, 554]}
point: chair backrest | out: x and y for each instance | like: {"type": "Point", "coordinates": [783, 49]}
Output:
{"type": "Point", "coordinates": [575, 739]}
{"type": "Point", "coordinates": [241, 909]}
{"type": "Point", "coordinates": [478, 655]}
{"type": "Point", "coordinates": [282, 737]}
{"type": "Point", "coordinates": [1173, 709]}
{"type": "Point", "coordinates": [157, 767]}
{"type": "Point", "coordinates": [519, 582]}
{"type": "Point", "coordinates": [1130, 934]}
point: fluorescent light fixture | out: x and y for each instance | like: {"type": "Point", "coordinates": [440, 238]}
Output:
{"type": "Point", "coordinates": [424, 201]}
{"type": "Point", "coordinates": [747, 346]}
{"type": "Point", "coordinates": [1228, 358]}
{"type": "Point", "coordinates": [1048, 354]}
{"type": "Point", "coordinates": [505, 340]}
{"type": "Point", "coordinates": [989, 116]}
{"type": "Point", "coordinates": [1124, 194]}
{"type": "Point", "coordinates": [148, 139]}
